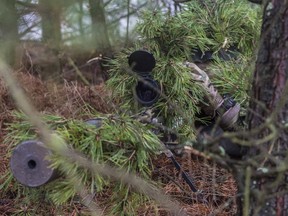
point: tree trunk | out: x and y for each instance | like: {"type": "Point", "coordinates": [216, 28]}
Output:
{"type": "Point", "coordinates": [100, 37]}
{"type": "Point", "coordinates": [268, 194]}
{"type": "Point", "coordinates": [8, 30]}
{"type": "Point", "coordinates": [80, 17]}
{"type": "Point", "coordinates": [50, 12]}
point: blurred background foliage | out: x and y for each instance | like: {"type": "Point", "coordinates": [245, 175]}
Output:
{"type": "Point", "coordinates": [88, 27]}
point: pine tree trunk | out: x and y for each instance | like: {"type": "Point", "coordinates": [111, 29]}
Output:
{"type": "Point", "coordinates": [100, 37]}
{"type": "Point", "coordinates": [8, 30]}
{"type": "Point", "coordinates": [80, 17]}
{"type": "Point", "coordinates": [50, 12]}
{"type": "Point", "coordinates": [269, 194]}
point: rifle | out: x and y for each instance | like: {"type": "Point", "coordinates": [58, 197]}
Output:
{"type": "Point", "coordinates": [147, 93]}
{"type": "Point", "coordinates": [225, 108]}
{"type": "Point", "coordinates": [28, 163]}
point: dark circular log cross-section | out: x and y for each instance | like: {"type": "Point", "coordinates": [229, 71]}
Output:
{"type": "Point", "coordinates": [29, 164]}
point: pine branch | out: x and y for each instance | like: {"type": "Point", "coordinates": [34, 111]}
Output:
{"type": "Point", "coordinates": [127, 14]}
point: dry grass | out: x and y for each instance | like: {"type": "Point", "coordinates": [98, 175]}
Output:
{"type": "Point", "coordinates": [217, 186]}
{"type": "Point", "coordinates": [67, 99]}
{"type": "Point", "coordinates": [70, 100]}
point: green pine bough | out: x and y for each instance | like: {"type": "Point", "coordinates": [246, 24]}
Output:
{"type": "Point", "coordinates": [218, 27]}
{"type": "Point", "coordinates": [212, 25]}
{"type": "Point", "coordinates": [120, 141]}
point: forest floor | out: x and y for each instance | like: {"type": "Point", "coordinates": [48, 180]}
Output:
{"type": "Point", "coordinates": [66, 99]}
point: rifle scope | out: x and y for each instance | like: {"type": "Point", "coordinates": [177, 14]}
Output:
{"type": "Point", "coordinates": [147, 89]}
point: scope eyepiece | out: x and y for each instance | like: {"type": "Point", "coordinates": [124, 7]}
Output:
{"type": "Point", "coordinates": [147, 91]}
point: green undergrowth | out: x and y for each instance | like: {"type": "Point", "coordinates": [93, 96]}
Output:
{"type": "Point", "coordinates": [180, 95]}
{"type": "Point", "coordinates": [208, 25]}
{"type": "Point", "coordinates": [215, 26]}
{"type": "Point", "coordinates": [233, 78]}
{"type": "Point", "coordinates": [121, 142]}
